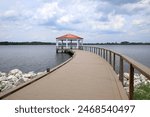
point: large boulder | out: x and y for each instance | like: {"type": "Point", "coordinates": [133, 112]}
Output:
{"type": "Point", "coordinates": [19, 81]}
{"type": "Point", "coordinates": [3, 78]}
{"type": "Point", "coordinates": [29, 75]}
{"type": "Point", "coordinates": [6, 85]}
{"type": "Point", "coordinates": [136, 76]}
{"type": "Point", "coordinates": [12, 79]}
{"type": "Point", "coordinates": [126, 75]}
{"type": "Point", "coordinates": [14, 72]}
{"type": "Point", "coordinates": [137, 82]}
{"type": "Point", "coordinates": [3, 74]}
{"type": "Point", "coordinates": [41, 73]}
{"type": "Point", "coordinates": [26, 79]}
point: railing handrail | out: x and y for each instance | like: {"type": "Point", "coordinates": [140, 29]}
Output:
{"type": "Point", "coordinates": [103, 52]}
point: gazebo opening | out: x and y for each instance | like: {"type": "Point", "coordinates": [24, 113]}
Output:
{"type": "Point", "coordinates": [68, 41]}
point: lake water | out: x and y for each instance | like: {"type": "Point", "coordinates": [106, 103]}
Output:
{"type": "Point", "coordinates": [140, 53]}
{"type": "Point", "coordinates": [40, 57]}
{"type": "Point", "coordinates": [30, 57]}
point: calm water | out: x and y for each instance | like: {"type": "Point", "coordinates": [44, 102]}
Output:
{"type": "Point", "coordinates": [29, 57]}
{"type": "Point", "coordinates": [38, 58]}
{"type": "Point", "coordinates": [140, 53]}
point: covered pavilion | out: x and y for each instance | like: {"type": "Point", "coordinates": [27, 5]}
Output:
{"type": "Point", "coordinates": [68, 41]}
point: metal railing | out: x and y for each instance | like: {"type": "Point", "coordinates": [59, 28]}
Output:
{"type": "Point", "coordinates": [110, 57]}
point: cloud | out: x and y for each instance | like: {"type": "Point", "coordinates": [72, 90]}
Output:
{"type": "Point", "coordinates": [47, 11]}
{"type": "Point", "coordinates": [120, 2]}
{"type": "Point", "coordinates": [90, 18]}
{"type": "Point", "coordinates": [143, 5]}
{"type": "Point", "coordinates": [114, 22]}
{"type": "Point", "coordinates": [65, 19]}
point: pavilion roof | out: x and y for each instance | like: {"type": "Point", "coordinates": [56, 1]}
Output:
{"type": "Point", "coordinates": [69, 36]}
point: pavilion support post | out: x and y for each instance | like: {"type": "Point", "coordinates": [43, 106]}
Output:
{"type": "Point", "coordinates": [62, 45]}
{"type": "Point", "coordinates": [78, 44]}
{"type": "Point", "coordinates": [71, 45]}
{"type": "Point", "coordinates": [66, 43]}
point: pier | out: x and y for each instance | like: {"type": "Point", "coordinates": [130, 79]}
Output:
{"type": "Point", "coordinates": [86, 76]}
{"type": "Point", "coordinates": [89, 74]}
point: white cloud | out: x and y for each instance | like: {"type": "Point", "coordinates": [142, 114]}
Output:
{"type": "Point", "coordinates": [47, 11]}
{"type": "Point", "coordinates": [91, 18]}
{"type": "Point", "coordinates": [143, 4]}
{"type": "Point", "coordinates": [115, 22]}
{"type": "Point", "coordinates": [138, 21]}
{"type": "Point", "coordinates": [65, 19]}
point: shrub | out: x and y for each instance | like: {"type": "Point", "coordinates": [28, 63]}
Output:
{"type": "Point", "coordinates": [142, 92]}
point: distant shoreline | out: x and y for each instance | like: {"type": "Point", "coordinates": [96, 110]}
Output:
{"type": "Point", "coordinates": [52, 43]}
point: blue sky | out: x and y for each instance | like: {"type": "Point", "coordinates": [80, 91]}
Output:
{"type": "Point", "coordinates": [95, 20]}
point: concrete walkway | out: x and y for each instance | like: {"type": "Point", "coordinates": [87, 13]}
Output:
{"type": "Point", "coordinates": [86, 76]}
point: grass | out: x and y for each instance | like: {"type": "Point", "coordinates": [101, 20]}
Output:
{"type": "Point", "coordinates": [142, 92]}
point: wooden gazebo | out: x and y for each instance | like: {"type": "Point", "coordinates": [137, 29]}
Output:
{"type": "Point", "coordinates": [68, 41]}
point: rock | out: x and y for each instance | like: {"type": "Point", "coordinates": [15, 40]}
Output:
{"type": "Point", "coordinates": [29, 75]}
{"type": "Point", "coordinates": [143, 78]}
{"type": "Point", "coordinates": [2, 85]}
{"type": "Point", "coordinates": [40, 73]}
{"type": "Point", "coordinates": [136, 76]}
{"type": "Point", "coordinates": [3, 74]}
{"type": "Point", "coordinates": [6, 85]}
{"type": "Point", "coordinates": [127, 89]}
{"type": "Point", "coordinates": [14, 72]}
{"type": "Point", "coordinates": [26, 79]}
{"type": "Point", "coordinates": [126, 75]}
{"type": "Point", "coordinates": [12, 79]}
{"type": "Point", "coordinates": [3, 78]}
{"type": "Point", "coordinates": [20, 81]}
{"type": "Point", "coordinates": [18, 75]}
{"type": "Point", "coordinates": [126, 83]}
{"type": "Point", "coordinates": [136, 82]}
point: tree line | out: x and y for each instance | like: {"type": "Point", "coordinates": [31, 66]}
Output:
{"type": "Point", "coordinates": [52, 43]}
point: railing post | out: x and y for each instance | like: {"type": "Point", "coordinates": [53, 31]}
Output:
{"type": "Point", "coordinates": [106, 55]}
{"type": "Point", "coordinates": [110, 57]}
{"type": "Point", "coordinates": [83, 48]}
{"type": "Point", "coordinates": [99, 51]}
{"type": "Point", "coordinates": [131, 82]}
{"type": "Point", "coordinates": [121, 70]}
{"type": "Point", "coordinates": [114, 61]}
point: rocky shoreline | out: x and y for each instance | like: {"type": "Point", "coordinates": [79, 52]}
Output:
{"type": "Point", "coordinates": [15, 77]}
{"type": "Point", "coordinates": [138, 79]}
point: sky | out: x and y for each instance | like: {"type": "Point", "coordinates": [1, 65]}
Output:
{"type": "Point", "coordinates": [97, 21]}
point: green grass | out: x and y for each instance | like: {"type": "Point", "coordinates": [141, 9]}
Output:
{"type": "Point", "coordinates": [142, 92]}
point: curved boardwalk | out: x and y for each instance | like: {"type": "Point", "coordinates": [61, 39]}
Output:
{"type": "Point", "coordinates": [86, 76]}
